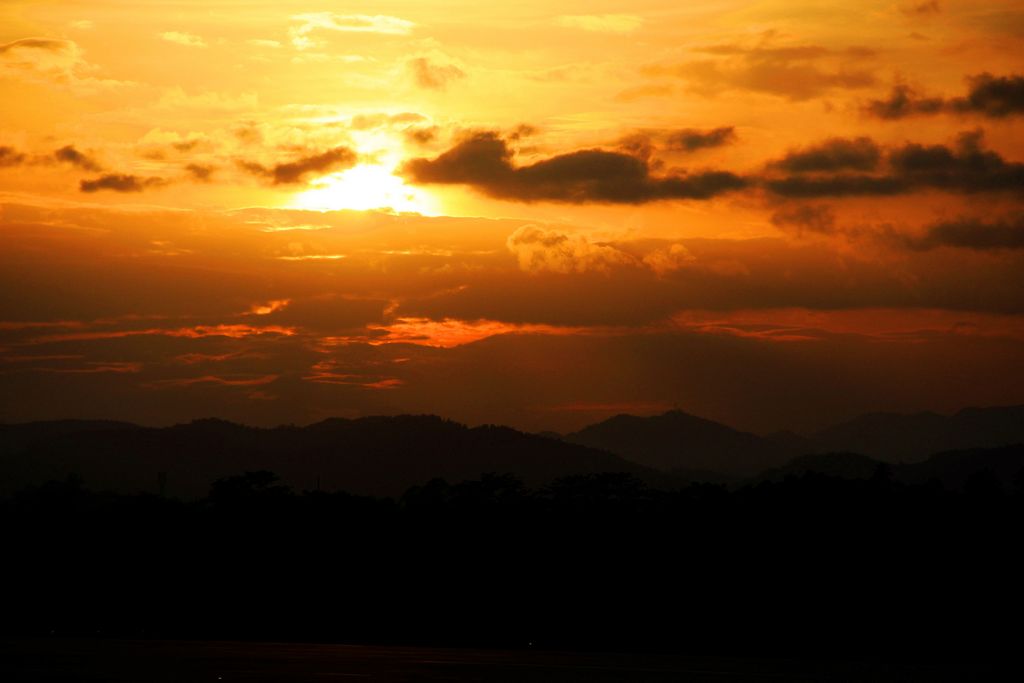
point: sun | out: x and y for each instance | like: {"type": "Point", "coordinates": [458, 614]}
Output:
{"type": "Point", "coordinates": [365, 187]}
{"type": "Point", "coordinates": [371, 184]}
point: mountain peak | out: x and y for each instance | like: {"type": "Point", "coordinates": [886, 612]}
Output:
{"type": "Point", "coordinates": [676, 440]}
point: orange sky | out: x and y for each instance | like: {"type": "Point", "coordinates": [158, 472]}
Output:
{"type": "Point", "coordinates": [775, 214]}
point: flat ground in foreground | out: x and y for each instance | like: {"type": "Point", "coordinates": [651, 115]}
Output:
{"type": "Point", "coordinates": [52, 660]}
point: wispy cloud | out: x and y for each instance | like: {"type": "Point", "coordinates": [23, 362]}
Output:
{"type": "Point", "coordinates": [602, 23]}
{"type": "Point", "coordinates": [53, 60]}
{"type": "Point", "coordinates": [242, 381]}
{"type": "Point", "coordinates": [181, 38]}
{"type": "Point", "coordinates": [352, 23]}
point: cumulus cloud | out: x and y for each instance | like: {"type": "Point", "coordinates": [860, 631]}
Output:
{"type": "Point", "coordinates": [485, 161]}
{"type": "Point", "coordinates": [549, 250]}
{"type": "Point", "coordinates": [540, 249]}
{"type": "Point", "coordinates": [668, 259]}
{"type": "Point", "coordinates": [119, 182]}
{"type": "Point", "coordinates": [296, 171]}
{"type": "Point", "coordinates": [431, 76]}
{"type": "Point", "coordinates": [987, 95]}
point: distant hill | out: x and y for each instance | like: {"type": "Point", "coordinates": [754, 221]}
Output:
{"type": "Point", "coordinates": [953, 470]}
{"type": "Point", "coordinates": [373, 455]}
{"type": "Point", "coordinates": [961, 468]}
{"type": "Point", "coordinates": [843, 465]}
{"type": "Point", "coordinates": [677, 441]}
{"type": "Point", "coordinates": [906, 438]}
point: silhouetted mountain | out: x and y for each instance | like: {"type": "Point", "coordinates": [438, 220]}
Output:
{"type": "Point", "coordinates": [676, 441]}
{"type": "Point", "coordinates": [373, 455]}
{"type": "Point", "coordinates": [791, 442]}
{"type": "Point", "coordinates": [550, 435]}
{"type": "Point", "coordinates": [905, 438]}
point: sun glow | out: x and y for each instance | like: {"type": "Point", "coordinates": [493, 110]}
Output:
{"type": "Point", "coordinates": [366, 187]}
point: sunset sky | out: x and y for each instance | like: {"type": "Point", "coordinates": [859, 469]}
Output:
{"type": "Point", "coordinates": [775, 214]}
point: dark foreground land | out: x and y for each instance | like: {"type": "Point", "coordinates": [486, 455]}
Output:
{"type": "Point", "coordinates": [833, 566]}
{"type": "Point", "coordinates": [116, 661]}
{"type": "Point", "coordinates": [807, 569]}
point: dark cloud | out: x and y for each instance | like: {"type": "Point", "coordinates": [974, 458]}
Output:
{"type": "Point", "coordinates": [916, 9]}
{"type": "Point", "coordinates": [296, 171]}
{"type": "Point", "coordinates": [47, 44]}
{"type": "Point", "coordinates": [965, 167]}
{"type": "Point", "coordinates": [523, 130]}
{"type": "Point", "coordinates": [973, 233]}
{"type": "Point", "coordinates": [432, 76]}
{"type": "Point", "coordinates": [834, 154]}
{"type": "Point", "coordinates": [641, 145]}
{"type": "Point", "coordinates": [843, 185]}
{"type": "Point", "coordinates": [836, 167]}
{"type": "Point", "coordinates": [806, 218]}
{"type": "Point", "coordinates": [797, 72]}
{"type": "Point", "coordinates": [248, 133]}
{"type": "Point", "coordinates": [10, 156]}
{"type": "Point", "coordinates": [67, 154]}
{"type": "Point", "coordinates": [691, 139]}
{"type": "Point", "coordinates": [421, 135]}
{"type": "Point", "coordinates": [994, 96]}
{"type": "Point", "coordinates": [200, 172]}
{"type": "Point", "coordinates": [645, 143]}
{"type": "Point", "coordinates": [484, 161]}
{"type": "Point", "coordinates": [70, 155]}
{"type": "Point", "coordinates": [903, 102]}
{"type": "Point", "coordinates": [187, 145]}
{"type": "Point", "coordinates": [987, 95]}
{"type": "Point", "coordinates": [118, 182]}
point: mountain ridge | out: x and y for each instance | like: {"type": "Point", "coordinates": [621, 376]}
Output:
{"type": "Point", "coordinates": [384, 455]}
{"type": "Point", "coordinates": [379, 455]}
